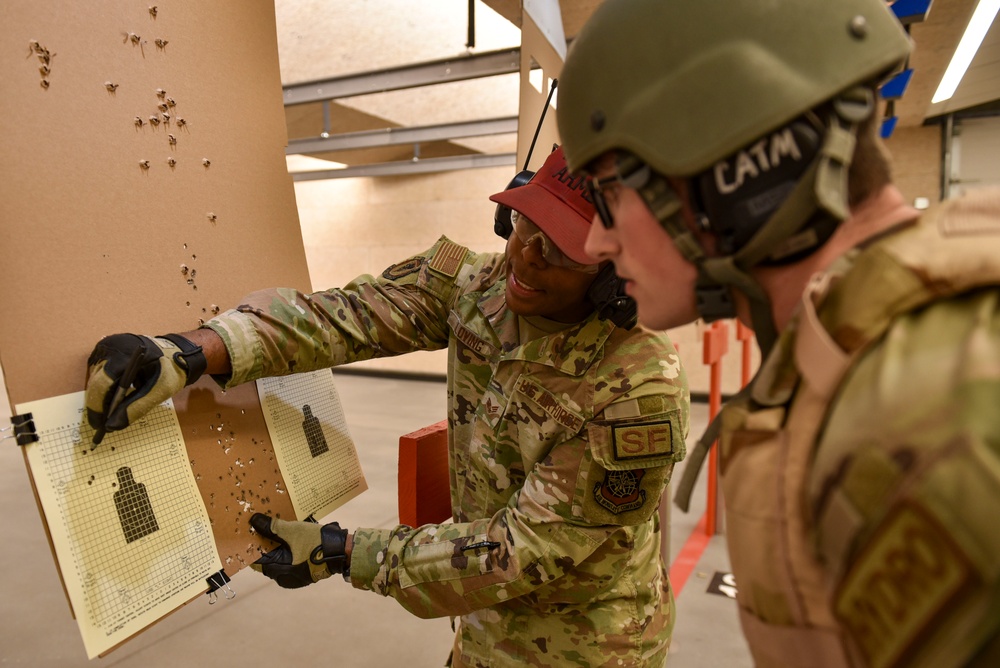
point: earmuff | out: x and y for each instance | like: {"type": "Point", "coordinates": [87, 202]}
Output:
{"type": "Point", "coordinates": [607, 294]}
{"type": "Point", "coordinates": [503, 221]}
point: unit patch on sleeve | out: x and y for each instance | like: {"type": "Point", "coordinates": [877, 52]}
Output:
{"type": "Point", "coordinates": [448, 258]}
{"type": "Point", "coordinates": [620, 491]}
{"type": "Point", "coordinates": [631, 462]}
{"type": "Point", "coordinates": [911, 570]}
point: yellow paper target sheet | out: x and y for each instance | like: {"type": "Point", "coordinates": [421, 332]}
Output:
{"type": "Point", "coordinates": [127, 523]}
{"type": "Point", "coordinates": [314, 449]}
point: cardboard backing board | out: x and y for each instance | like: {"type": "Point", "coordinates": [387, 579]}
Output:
{"type": "Point", "coordinates": [111, 221]}
{"type": "Point", "coordinates": [93, 242]}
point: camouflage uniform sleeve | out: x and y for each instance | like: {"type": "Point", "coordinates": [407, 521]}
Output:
{"type": "Point", "coordinates": [553, 524]}
{"type": "Point", "coordinates": [281, 331]}
{"type": "Point", "coordinates": [453, 569]}
{"type": "Point", "coordinates": [637, 439]}
{"type": "Point", "coordinates": [906, 485]}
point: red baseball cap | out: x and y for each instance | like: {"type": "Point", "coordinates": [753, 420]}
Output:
{"type": "Point", "coordinates": [558, 203]}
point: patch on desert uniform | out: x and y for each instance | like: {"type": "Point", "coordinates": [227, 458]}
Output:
{"type": "Point", "coordinates": [448, 258]}
{"type": "Point", "coordinates": [403, 269]}
{"type": "Point", "coordinates": [910, 570]}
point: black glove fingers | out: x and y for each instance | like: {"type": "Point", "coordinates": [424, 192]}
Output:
{"type": "Point", "coordinates": [261, 523]}
{"type": "Point", "coordinates": [279, 556]}
{"type": "Point", "coordinates": [289, 577]}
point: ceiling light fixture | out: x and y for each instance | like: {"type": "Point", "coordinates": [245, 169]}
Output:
{"type": "Point", "coordinates": [978, 26]}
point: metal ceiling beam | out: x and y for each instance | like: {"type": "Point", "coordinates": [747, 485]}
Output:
{"type": "Point", "coordinates": [486, 64]}
{"type": "Point", "coordinates": [395, 136]}
{"type": "Point", "coordinates": [402, 168]}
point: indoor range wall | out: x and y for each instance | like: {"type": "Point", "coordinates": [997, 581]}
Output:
{"type": "Point", "coordinates": [362, 225]}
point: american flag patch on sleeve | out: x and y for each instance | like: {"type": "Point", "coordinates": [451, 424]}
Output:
{"type": "Point", "coordinates": [448, 258]}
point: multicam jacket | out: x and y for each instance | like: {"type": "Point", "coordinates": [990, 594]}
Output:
{"type": "Point", "coordinates": [862, 478]}
{"type": "Point", "coordinates": [560, 448]}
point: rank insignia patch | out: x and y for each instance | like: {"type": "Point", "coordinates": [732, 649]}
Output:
{"type": "Point", "coordinates": [402, 269]}
{"type": "Point", "coordinates": [448, 258]}
{"type": "Point", "coordinates": [620, 491]}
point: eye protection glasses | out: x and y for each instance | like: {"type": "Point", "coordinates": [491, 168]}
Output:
{"type": "Point", "coordinates": [527, 232]}
{"type": "Point", "coordinates": [635, 179]}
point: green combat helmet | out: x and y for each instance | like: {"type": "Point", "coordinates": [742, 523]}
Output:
{"type": "Point", "coordinates": [755, 103]}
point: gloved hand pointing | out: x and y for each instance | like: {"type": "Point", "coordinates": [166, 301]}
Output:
{"type": "Point", "coordinates": [308, 552]}
{"type": "Point", "coordinates": [164, 365]}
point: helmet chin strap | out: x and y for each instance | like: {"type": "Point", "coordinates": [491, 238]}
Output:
{"type": "Point", "coordinates": [804, 222]}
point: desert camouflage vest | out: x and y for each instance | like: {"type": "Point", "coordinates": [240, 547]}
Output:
{"type": "Point", "coordinates": [768, 438]}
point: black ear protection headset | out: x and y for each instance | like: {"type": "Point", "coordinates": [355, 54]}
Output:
{"type": "Point", "coordinates": [607, 291]}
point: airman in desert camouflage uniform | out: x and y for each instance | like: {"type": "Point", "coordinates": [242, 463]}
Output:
{"type": "Point", "coordinates": [562, 438]}
{"type": "Point", "coordinates": [735, 158]}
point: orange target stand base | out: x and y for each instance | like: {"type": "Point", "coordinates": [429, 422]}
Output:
{"type": "Point", "coordinates": [423, 483]}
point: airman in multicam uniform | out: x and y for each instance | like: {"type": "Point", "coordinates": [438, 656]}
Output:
{"type": "Point", "coordinates": [734, 157]}
{"type": "Point", "coordinates": [563, 431]}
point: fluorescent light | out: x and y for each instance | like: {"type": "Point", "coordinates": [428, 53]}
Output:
{"type": "Point", "coordinates": [978, 26]}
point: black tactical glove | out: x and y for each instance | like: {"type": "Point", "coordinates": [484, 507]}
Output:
{"type": "Point", "coordinates": [162, 365]}
{"type": "Point", "coordinates": [308, 552]}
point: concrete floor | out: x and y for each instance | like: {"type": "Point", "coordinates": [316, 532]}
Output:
{"type": "Point", "coordinates": [329, 623]}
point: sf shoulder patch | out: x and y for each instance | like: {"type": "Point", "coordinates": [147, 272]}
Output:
{"type": "Point", "coordinates": [632, 459]}
{"type": "Point", "coordinates": [640, 440]}
{"type": "Point", "coordinates": [448, 258]}
{"type": "Point", "coordinates": [910, 571]}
